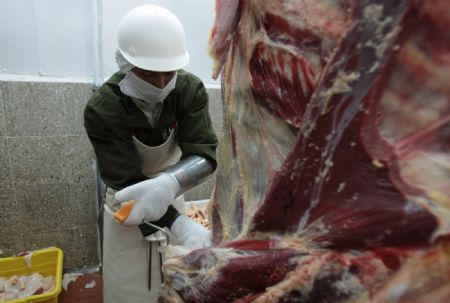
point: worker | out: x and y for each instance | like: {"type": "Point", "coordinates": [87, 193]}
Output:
{"type": "Point", "coordinates": [153, 138]}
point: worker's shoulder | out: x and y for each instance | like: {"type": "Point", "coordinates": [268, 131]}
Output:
{"type": "Point", "coordinates": [186, 80]}
{"type": "Point", "coordinates": [108, 95]}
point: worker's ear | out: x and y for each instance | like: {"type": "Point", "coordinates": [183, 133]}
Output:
{"type": "Point", "coordinates": [122, 63]}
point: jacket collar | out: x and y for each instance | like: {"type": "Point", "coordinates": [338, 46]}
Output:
{"type": "Point", "coordinates": [136, 118]}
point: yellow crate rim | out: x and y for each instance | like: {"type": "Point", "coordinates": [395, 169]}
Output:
{"type": "Point", "coordinates": [58, 278]}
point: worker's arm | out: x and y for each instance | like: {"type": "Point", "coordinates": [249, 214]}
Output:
{"type": "Point", "coordinates": [152, 197]}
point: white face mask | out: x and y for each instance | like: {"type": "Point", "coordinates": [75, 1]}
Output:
{"type": "Point", "coordinates": [134, 86]}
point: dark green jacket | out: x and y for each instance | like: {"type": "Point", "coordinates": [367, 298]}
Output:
{"type": "Point", "coordinates": [111, 119]}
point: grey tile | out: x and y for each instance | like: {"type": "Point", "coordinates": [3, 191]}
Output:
{"type": "Point", "coordinates": [86, 236]}
{"type": "Point", "coordinates": [10, 245]}
{"type": "Point", "coordinates": [44, 207]}
{"type": "Point", "coordinates": [61, 238]}
{"type": "Point", "coordinates": [9, 212]}
{"type": "Point", "coordinates": [216, 109]}
{"type": "Point", "coordinates": [34, 109]}
{"type": "Point", "coordinates": [38, 160]}
{"type": "Point", "coordinates": [85, 257]}
{"type": "Point", "coordinates": [83, 201]}
{"type": "Point", "coordinates": [69, 260]}
{"type": "Point", "coordinates": [76, 96]}
{"type": "Point", "coordinates": [81, 257]}
{"type": "Point", "coordinates": [5, 176]}
{"type": "Point", "coordinates": [2, 111]}
{"type": "Point", "coordinates": [80, 158]}
{"type": "Point", "coordinates": [85, 252]}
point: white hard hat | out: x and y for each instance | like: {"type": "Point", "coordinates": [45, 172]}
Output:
{"type": "Point", "coordinates": [152, 38]}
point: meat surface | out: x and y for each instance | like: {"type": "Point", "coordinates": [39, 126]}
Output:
{"type": "Point", "coordinates": [333, 182]}
{"type": "Point", "coordinates": [22, 286]}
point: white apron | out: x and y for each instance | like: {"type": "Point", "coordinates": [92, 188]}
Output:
{"type": "Point", "coordinates": [125, 250]}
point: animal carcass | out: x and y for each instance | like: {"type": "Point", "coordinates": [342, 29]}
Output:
{"type": "Point", "coordinates": [333, 182]}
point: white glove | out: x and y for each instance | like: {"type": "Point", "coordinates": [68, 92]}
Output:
{"type": "Point", "coordinates": [190, 233]}
{"type": "Point", "coordinates": [152, 197]}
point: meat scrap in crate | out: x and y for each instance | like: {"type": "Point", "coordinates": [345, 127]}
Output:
{"type": "Point", "coordinates": [22, 286]}
{"type": "Point", "coordinates": [333, 182]}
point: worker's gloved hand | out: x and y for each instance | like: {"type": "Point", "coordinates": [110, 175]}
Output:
{"type": "Point", "coordinates": [190, 233]}
{"type": "Point", "coordinates": [152, 197]}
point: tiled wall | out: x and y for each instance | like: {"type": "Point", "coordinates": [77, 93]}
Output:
{"type": "Point", "coordinates": [47, 181]}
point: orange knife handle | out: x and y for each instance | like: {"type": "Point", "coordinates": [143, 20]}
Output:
{"type": "Point", "coordinates": [122, 214]}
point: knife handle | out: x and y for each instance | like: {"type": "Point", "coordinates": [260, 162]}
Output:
{"type": "Point", "coordinates": [122, 214]}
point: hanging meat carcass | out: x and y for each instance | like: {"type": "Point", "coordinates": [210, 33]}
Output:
{"type": "Point", "coordinates": [333, 182]}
